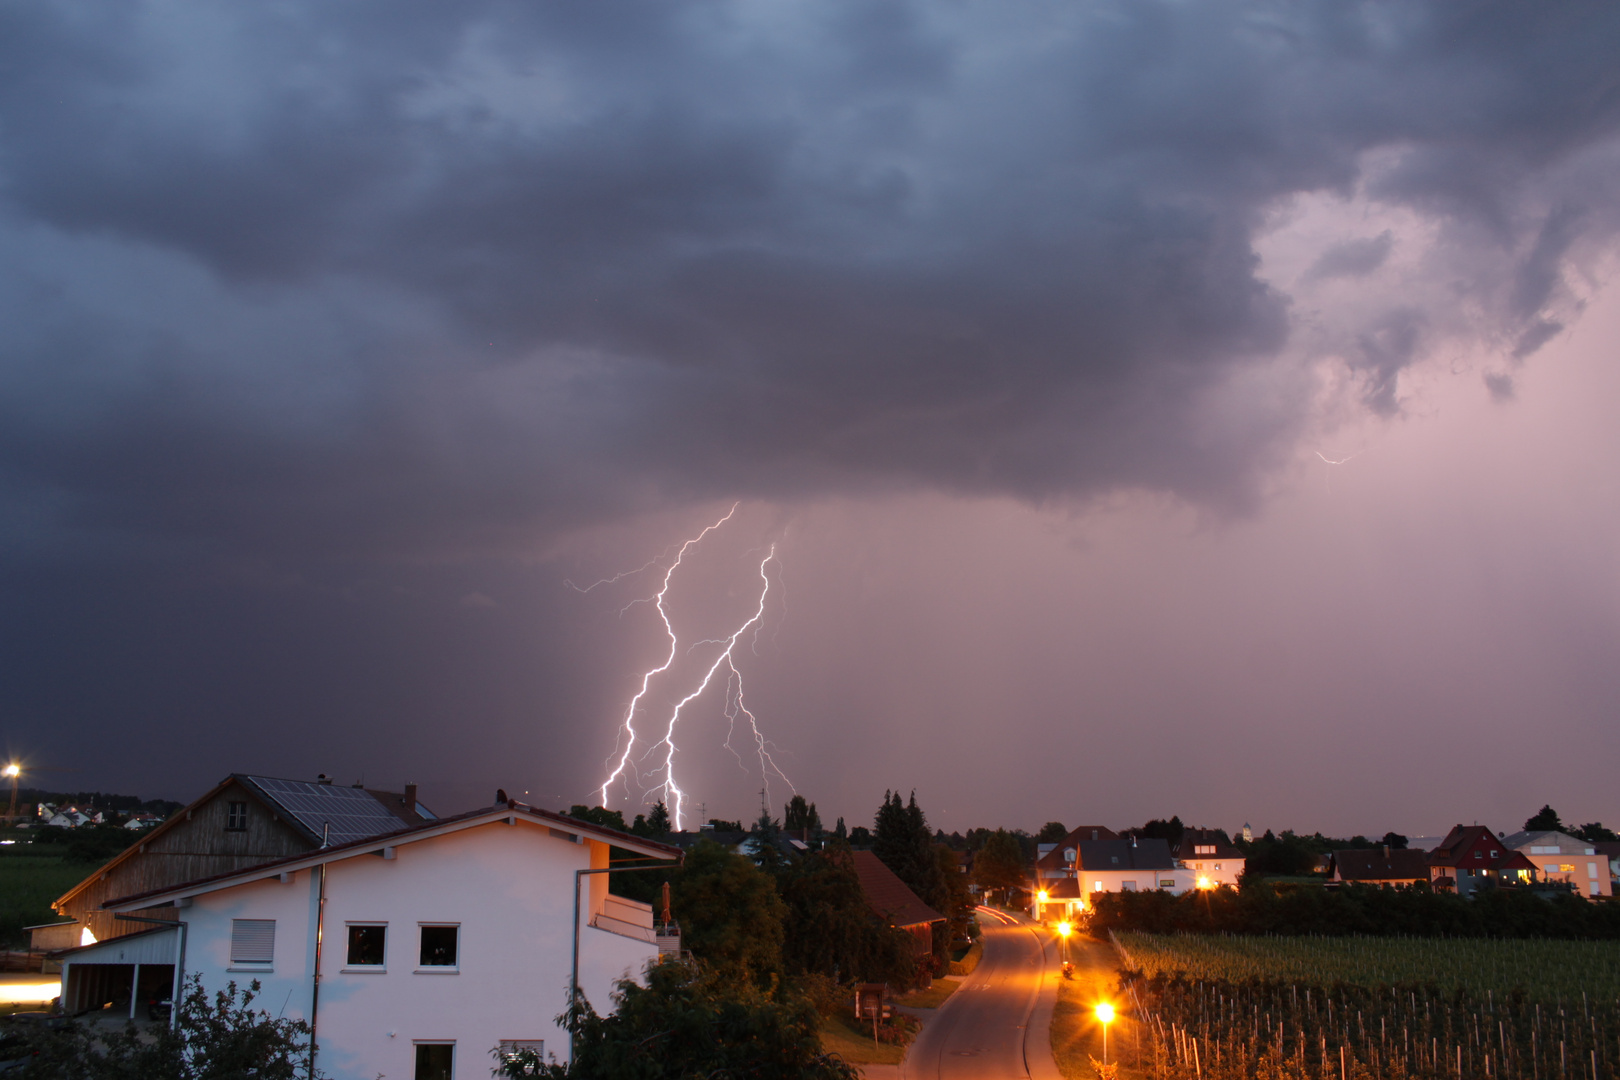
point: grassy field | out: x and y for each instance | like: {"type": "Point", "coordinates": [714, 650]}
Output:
{"type": "Point", "coordinates": [1547, 971]}
{"type": "Point", "coordinates": [30, 878]}
{"type": "Point", "coordinates": [852, 1041]}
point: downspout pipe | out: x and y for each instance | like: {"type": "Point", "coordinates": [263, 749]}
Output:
{"type": "Point", "coordinates": [320, 935]}
{"type": "Point", "coordinates": [573, 977]}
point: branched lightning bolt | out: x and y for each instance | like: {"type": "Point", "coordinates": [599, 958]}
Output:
{"type": "Point", "coordinates": [673, 795]}
{"type": "Point", "coordinates": [646, 680]}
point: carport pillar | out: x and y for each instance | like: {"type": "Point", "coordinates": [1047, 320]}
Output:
{"type": "Point", "coordinates": [134, 988]}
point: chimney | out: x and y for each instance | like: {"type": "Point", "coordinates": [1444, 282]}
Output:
{"type": "Point", "coordinates": [1386, 852]}
{"type": "Point", "coordinates": [322, 778]}
{"type": "Point", "coordinates": [410, 797]}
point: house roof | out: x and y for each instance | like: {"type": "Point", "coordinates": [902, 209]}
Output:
{"type": "Point", "coordinates": [352, 812]}
{"type": "Point", "coordinates": [1566, 844]}
{"type": "Point", "coordinates": [510, 812]}
{"type": "Point", "coordinates": [1144, 854]}
{"type": "Point", "coordinates": [888, 895]}
{"type": "Point", "coordinates": [389, 815]}
{"type": "Point", "coordinates": [1054, 860]}
{"type": "Point", "coordinates": [1380, 864]}
{"type": "Point", "coordinates": [1191, 839]}
{"type": "Point", "coordinates": [1462, 839]}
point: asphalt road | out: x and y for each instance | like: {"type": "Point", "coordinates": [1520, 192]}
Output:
{"type": "Point", "coordinates": [980, 1032]}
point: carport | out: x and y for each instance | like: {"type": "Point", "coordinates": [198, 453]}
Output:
{"type": "Point", "coordinates": [128, 968]}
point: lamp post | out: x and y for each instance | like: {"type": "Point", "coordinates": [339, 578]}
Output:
{"type": "Point", "coordinates": [1065, 928]}
{"type": "Point", "coordinates": [1105, 1013]}
{"type": "Point", "coordinates": [12, 771]}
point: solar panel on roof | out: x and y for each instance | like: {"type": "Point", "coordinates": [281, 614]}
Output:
{"type": "Point", "coordinates": [352, 813]}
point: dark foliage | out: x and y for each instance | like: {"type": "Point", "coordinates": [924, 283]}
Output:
{"type": "Point", "coordinates": [1157, 829]}
{"type": "Point", "coordinates": [223, 1038]}
{"type": "Point", "coordinates": [1544, 820]}
{"type": "Point", "coordinates": [88, 843]}
{"type": "Point", "coordinates": [999, 865]}
{"type": "Point", "coordinates": [1051, 833]}
{"type": "Point", "coordinates": [830, 930]}
{"type": "Point", "coordinates": [1414, 911]}
{"type": "Point", "coordinates": [730, 914]}
{"type": "Point", "coordinates": [1593, 832]}
{"type": "Point", "coordinates": [800, 818]}
{"type": "Point", "coordinates": [1394, 841]}
{"type": "Point", "coordinates": [690, 1021]}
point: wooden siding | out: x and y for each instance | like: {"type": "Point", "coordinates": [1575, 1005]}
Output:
{"type": "Point", "coordinates": [196, 848]}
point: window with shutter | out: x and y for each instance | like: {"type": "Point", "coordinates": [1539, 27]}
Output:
{"type": "Point", "coordinates": [253, 941]}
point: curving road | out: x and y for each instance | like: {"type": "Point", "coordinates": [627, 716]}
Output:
{"type": "Point", "coordinates": [996, 1026]}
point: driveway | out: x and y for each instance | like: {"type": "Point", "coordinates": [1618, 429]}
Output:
{"type": "Point", "coordinates": [997, 1026]}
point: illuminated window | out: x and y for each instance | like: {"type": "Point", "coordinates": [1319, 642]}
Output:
{"type": "Point", "coordinates": [367, 944]}
{"type": "Point", "coordinates": [1167, 883]}
{"type": "Point", "coordinates": [1566, 868]}
{"type": "Point", "coordinates": [439, 946]}
{"type": "Point", "coordinates": [236, 817]}
{"type": "Point", "coordinates": [1203, 849]}
{"type": "Point", "coordinates": [1217, 866]}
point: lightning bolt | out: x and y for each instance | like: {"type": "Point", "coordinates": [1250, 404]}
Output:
{"type": "Point", "coordinates": [629, 725]}
{"type": "Point", "coordinates": [735, 707]}
{"type": "Point", "coordinates": [1342, 460]}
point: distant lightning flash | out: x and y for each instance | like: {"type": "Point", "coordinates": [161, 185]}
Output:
{"type": "Point", "coordinates": [1340, 461]}
{"type": "Point", "coordinates": [672, 792]}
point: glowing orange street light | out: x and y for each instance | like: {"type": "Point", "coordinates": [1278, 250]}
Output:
{"type": "Point", "coordinates": [1105, 1013]}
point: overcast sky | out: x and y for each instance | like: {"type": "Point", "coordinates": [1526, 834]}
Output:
{"type": "Point", "coordinates": [1145, 408]}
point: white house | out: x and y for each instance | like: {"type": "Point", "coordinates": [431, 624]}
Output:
{"type": "Point", "coordinates": [1561, 857]}
{"type": "Point", "coordinates": [1213, 859]}
{"type": "Point", "coordinates": [1119, 865]}
{"type": "Point", "coordinates": [414, 954]}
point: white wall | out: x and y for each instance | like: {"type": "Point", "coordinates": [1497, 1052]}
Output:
{"type": "Point", "coordinates": [1145, 880]}
{"type": "Point", "coordinates": [1217, 871]}
{"type": "Point", "coordinates": [510, 887]}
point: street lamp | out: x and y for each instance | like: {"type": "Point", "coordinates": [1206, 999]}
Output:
{"type": "Point", "coordinates": [1065, 928]}
{"type": "Point", "coordinates": [1105, 1013]}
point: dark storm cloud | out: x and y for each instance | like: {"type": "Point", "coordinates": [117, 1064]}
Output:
{"type": "Point", "coordinates": [401, 278]}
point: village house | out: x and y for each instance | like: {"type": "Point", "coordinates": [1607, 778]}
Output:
{"type": "Point", "coordinates": [1055, 862]}
{"type": "Point", "coordinates": [893, 901]}
{"type": "Point", "coordinates": [1561, 857]}
{"type": "Point", "coordinates": [1471, 857]}
{"type": "Point", "coordinates": [1116, 865]}
{"type": "Point", "coordinates": [414, 954]}
{"type": "Point", "coordinates": [241, 822]}
{"type": "Point", "coordinates": [1213, 859]}
{"type": "Point", "coordinates": [1382, 866]}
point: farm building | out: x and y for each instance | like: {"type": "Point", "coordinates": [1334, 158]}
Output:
{"type": "Point", "coordinates": [241, 822]}
{"type": "Point", "coordinates": [417, 953]}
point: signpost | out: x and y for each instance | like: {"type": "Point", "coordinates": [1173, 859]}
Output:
{"type": "Point", "coordinates": [869, 1004]}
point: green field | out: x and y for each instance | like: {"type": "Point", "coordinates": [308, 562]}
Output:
{"type": "Point", "coordinates": [30, 878]}
{"type": "Point", "coordinates": [1547, 970]}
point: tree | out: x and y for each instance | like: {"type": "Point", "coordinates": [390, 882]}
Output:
{"type": "Point", "coordinates": [999, 865]}
{"type": "Point", "coordinates": [840, 831]}
{"type": "Point", "coordinates": [1545, 820]}
{"type": "Point", "coordinates": [1593, 832]}
{"type": "Point", "coordinates": [860, 837]}
{"type": "Point", "coordinates": [831, 930]}
{"type": "Point", "coordinates": [800, 817]}
{"type": "Point", "coordinates": [689, 1021]}
{"type": "Point", "coordinates": [730, 914]}
{"type": "Point", "coordinates": [655, 826]}
{"type": "Point", "coordinates": [902, 841]}
{"type": "Point", "coordinates": [1156, 829]}
{"type": "Point", "coordinates": [222, 1039]}
{"type": "Point", "coordinates": [1394, 841]}
{"type": "Point", "coordinates": [1052, 832]}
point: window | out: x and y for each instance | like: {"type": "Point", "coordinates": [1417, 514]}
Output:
{"type": "Point", "coordinates": [367, 943]}
{"type": "Point", "coordinates": [1552, 868]}
{"type": "Point", "coordinates": [1217, 866]}
{"type": "Point", "coordinates": [439, 945]}
{"type": "Point", "coordinates": [1203, 849]}
{"type": "Point", "coordinates": [1591, 869]}
{"type": "Point", "coordinates": [435, 1060]}
{"type": "Point", "coordinates": [1127, 886]}
{"type": "Point", "coordinates": [253, 941]}
{"type": "Point", "coordinates": [1493, 853]}
{"type": "Point", "coordinates": [1566, 868]}
{"type": "Point", "coordinates": [524, 1051]}
{"type": "Point", "coordinates": [236, 817]}
{"type": "Point", "coordinates": [1167, 883]}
